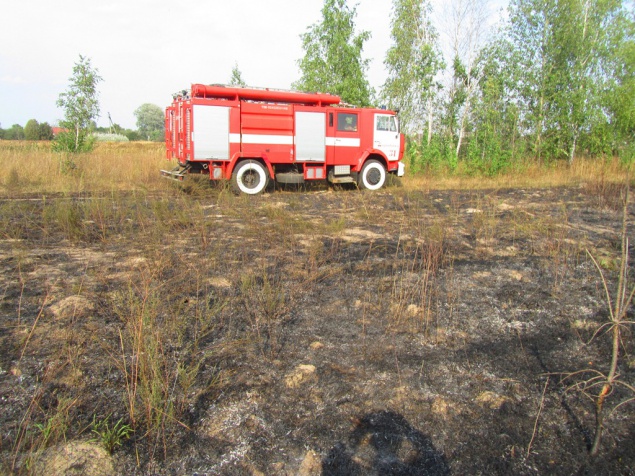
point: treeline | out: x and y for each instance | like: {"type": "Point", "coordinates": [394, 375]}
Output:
{"type": "Point", "coordinates": [150, 126]}
{"type": "Point", "coordinates": [33, 130]}
{"type": "Point", "coordinates": [554, 81]}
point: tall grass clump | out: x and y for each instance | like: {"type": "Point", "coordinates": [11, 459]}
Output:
{"type": "Point", "coordinates": [66, 216]}
{"type": "Point", "coordinates": [415, 283]}
{"type": "Point", "coordinates": [163, 342]}
{"type": "Point", "coordinates": [266, 304]}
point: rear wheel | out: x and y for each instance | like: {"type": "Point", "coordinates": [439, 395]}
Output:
{"type": "Point", "coordinates": [250, 177]}
{"type": "Point", "coordinates": [372, 176]}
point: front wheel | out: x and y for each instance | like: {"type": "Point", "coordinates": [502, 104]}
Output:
{"type": "Point", "coordinates": [372, 176]}
{"type": "Point", "coordinates": [250, 177]}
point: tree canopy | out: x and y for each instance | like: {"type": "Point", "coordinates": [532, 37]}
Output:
{"type": "Point", "coordinates": [237, 77]}
{"type": "Point", "coordinates": [33, 130]}
{"type": "Point", "coordinates": [81, 107]}
{"type": "Point", "coordinates": [333, 62]}
{"type": "Point", "coordinates": [555, 81]}
{"type": "Point", "coordinates": [413, 62]}
{"type": "Point", "coordinates": [150, 121]}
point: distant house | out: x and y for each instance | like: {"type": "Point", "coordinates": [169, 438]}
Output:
{"type": "Point", "coordinates": [58, 130]}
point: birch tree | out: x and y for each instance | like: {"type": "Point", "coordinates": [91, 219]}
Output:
{"type": "Point", "coordinates": [564, 49]}
{"type": "Point", "coordinates": [237, 77]}
{"type": "Point", "coordinates": [81, 107]}
{"type": "Point", "coordinates": [583, 38]}
{"type": "Point", "coordinates": [620, 97]}
{"type": "Point", "coordinates": [495, 140]}
{"type": "Point", "coordinates": [333, 60]}
{"type": "Point", "coordinates": [413, 62]}
{"type": "Point", "coordinates": [467, 30]}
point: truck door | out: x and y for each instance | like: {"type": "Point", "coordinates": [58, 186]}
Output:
{"type": "Point", "coordinates": [386, 135]}
{"type": "Point", "coordinates": [347, 137]}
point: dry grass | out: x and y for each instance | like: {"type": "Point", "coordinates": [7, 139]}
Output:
{"type": "Point", "coordinates": [533, 175]}
{"type": "Point", "coordinates": [32, 167]}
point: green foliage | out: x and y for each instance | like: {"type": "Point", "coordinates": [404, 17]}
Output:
{"type": "Point", "coordinates": [150, 121]}
{"type": "Point", "coordinates": [32, 130]}
{"type": "Point", "coordinates": [620, 97]}
{"type": "Point", "coordinates": [110, 437]}
{"type": "Point", "coordinates": [413, 62]}
{"type": "Point", "coordinates": [117, 130]}
{"type": "Point", "coordinates": [74, 141]}
{"type": "Point", "coordinates": [45, 131]}
{"type": "Point", "coordinates": [563, 55]}
{"type": "Point", "coordinates": [456, 97]}
{"type": "Point", "coordinates": [494, 142]}
{"type": "Point", "coordinates": [237, 78]}
{"type": "Point", "coordinates": [333, 56]}
{"type": "Point", "coordinates": [132, 135]}
{"type": "Point", "coordinates": [435, 156]}
{"type": "Point", "coordinates": [557, 82]}
{"type": "Point", "coordinates": [627, 154]}
{"type": "Point", "coordinates": [36, 131]}
{"type": "Point", "coordinates": [45, 430]}
{"type": "Point", "coordinates": [81, 106]}
{"type": "Point", "coordinates": [15, 133]}
{"type": "Point", "coordinates": [106, 137]}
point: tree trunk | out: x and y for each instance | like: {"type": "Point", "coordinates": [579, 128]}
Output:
{"type": "Point", "coordinates": [76, 137]}
{"type": "Point", "coordinates": [462, 123]}
{"type": "Point", "coordinates": [573, 147]}
{"type": "Point", "coordinates": [460, 139]}
{"type": "Point", "coordinates": [429, 120]}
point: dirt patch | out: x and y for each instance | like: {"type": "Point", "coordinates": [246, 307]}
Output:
{"type": "Point", "coordinates": [75, 459]}
{"type": "Point", "coordinates": [315, 333]}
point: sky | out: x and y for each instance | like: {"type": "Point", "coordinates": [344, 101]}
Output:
{"type": "Point", "coordinates": [145, 50]}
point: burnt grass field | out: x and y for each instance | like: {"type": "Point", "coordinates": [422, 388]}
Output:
{"type": "Point", "coordinates": [310, 332]}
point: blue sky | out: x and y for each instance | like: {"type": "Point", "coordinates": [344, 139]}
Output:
{"type": "Point", "coordinates": [147, 49]}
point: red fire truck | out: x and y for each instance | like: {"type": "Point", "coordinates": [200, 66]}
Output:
{"type": "Point", "coordinates": [252, 136]}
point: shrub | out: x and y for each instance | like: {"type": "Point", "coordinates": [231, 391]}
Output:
{"type": "Point", "coordinates": [105, 137]}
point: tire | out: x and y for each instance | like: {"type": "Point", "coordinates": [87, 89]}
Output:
{"type": "Point", "coordinates": [250, 177]}
{"type": "Point", "coordinates": [372, 176]}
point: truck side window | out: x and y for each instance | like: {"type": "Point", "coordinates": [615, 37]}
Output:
{"type": "Point", "coordinates": [347, 122]}
{"type": "Point", "coordinates": [386, 123]}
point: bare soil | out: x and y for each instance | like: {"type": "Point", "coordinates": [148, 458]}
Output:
{"type": "Point", "coordinates": [311, 332]}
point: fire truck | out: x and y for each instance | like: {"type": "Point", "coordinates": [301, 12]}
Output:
{"type": "Point", "coordinates": [252, 137]}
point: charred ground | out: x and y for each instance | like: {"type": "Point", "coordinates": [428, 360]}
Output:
{"type": "Point", "coordinates": [312, 332]}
